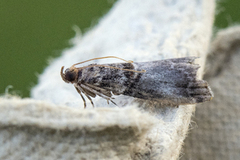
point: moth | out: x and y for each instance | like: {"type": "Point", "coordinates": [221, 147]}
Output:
{"type": "Point", "coordinates": [170, 82]}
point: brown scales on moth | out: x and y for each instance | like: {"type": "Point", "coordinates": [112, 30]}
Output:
{"type": "Point", "coordinates": [170, 82]}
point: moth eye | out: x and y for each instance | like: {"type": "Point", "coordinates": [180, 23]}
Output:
{"type": "Point", "coordinates": [70, 75]}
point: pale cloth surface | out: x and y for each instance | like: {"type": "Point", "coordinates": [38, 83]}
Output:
{"type": "Point", "coordinates": [32, 129]}
{"type": "Point", "coordinates": [133, 30]}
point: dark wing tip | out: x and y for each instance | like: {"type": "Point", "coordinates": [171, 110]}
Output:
{"type": "Point", "coordinates": [200, 91]}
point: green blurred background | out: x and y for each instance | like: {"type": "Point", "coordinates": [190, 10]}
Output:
{"type": "Point", "coordinates": [31, 32]}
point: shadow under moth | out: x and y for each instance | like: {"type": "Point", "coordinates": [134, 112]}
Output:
{"type": "Point", "coordinates": [170, 82]}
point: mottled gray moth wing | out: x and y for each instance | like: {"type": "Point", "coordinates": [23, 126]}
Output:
{"type": "Point", "coordinates": [171, 82]}
{"type": "Point", "coordinates": [189, 60]}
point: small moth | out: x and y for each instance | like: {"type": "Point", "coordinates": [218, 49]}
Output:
{"type": "Point", "coordinates": [169, 82]}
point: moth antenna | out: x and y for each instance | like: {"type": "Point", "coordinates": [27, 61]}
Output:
{"type": "Point", "coordinates": [62, 74]}
{"type": "Point", "coordinates": [142, 71]}
{"type": "Point", "coordinates": [103, 58]}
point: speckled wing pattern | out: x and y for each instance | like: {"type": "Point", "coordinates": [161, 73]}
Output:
{"type": "Point", "coordinates": [170, 82]}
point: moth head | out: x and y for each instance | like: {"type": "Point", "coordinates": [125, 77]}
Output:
{"type": "Point", "coordinates": [70, 75]}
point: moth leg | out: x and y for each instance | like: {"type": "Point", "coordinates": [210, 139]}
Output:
{"type": "Point", "coordinates": [89, 98]}
{"type": "Point", "coordinates": [81, 90]}
{"type": "Point", "coordinates": [99, 94]}
{"type": "Point", "coordinates": [96, 92]}
{"type": "Point", "coordinates": [84, 101]}
{"type": "Point", "coordinates": [113, 102]}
